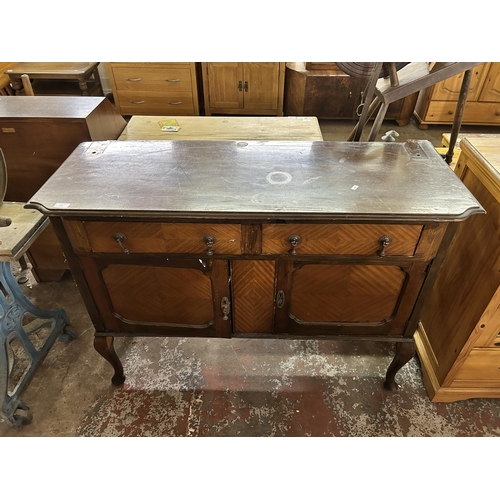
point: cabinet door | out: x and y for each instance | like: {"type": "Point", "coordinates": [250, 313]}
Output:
{"type": "Point", "coordinates": [491, 87]}
{"type": "Point", "coordinates": [449, 89]}
{"type": "Point", "coordinates": [226, 85]}
{"type": "Point", "coordinates": [156, 295]}
{"type": "Point", "coordinates": [346, 298]}
{"type": "Point", "coordinates": [261, 85]}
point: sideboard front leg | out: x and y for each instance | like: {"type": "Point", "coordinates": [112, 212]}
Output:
{"type": "Point", "coordinates": [404, 352]}
{"type": "Point", "coordinates": [104, 346]}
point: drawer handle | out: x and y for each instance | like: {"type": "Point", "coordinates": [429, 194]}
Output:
{"type": "Point", "coordinates": [246, 86]}
{"type": "Point", "coordinates": [209, 241]}
{"type": "Point", "coordinates": [224, 305]}
{"type": "Point", "coordinates": [240, 85]}
{"type": "Point", "coordinates": [137, 102]}
{"type": "Point", "coordinates": [294, 240]}
{"type": "Point", "coordinates": [134, 79]}
{"type": "Point", "coordinates": [384, 241]}
{"type": "Point", "coordinates": [120, 238]}
{"type": "Point", "coordinates": [174, 103]}
{"type": "Point", "coordinates": [173, 80]}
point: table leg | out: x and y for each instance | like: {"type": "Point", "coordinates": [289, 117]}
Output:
{"type": "Point", "coordinates": [21, 322]}
{"type": "Point", "coordinates": [104, 346]}
{"type": "Point", "coordinates": [17, 85]}
{"type": "Point", "coordinates": [404, 352]}
{"type": "Point", "coordinates": [82, 83]}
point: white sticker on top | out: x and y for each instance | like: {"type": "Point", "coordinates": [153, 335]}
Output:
{"type": "Point", "coordinates": [61, 205]}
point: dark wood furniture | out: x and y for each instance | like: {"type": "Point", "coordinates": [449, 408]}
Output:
{"type": "Point", "coordinates": [255, 239]}
{"type": "Point", "coordinates": [323, 90]}
{"type": "Point", "coordinates": [36, 135]}
{"type": "Point", "coordinates": [57, 78]}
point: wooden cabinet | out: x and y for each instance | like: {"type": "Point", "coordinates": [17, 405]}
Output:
{"type": "Point", "coordinates": [254, 88]}
{"type": "Point", "coordinates": [36, 135]}
{"type": "Point", "coordinates": [458, 338]}
{"type": "Point", "coordinates": [277, 239]}
{"type": "Point", "coordinates": [323, 90]}
{"type": "Point", "coordinates": [437, 104]}
{"type": "Point", "coordinates": [154, 88]}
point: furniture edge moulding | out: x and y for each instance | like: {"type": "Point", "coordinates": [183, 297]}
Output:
{"type": "Point", "coordinates": [194, 88]}
{"type": "Point", "coordinates": [240, 110]}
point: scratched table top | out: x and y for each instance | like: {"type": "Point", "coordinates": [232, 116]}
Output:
{"type": "Point", "coordinates": [245, 179]}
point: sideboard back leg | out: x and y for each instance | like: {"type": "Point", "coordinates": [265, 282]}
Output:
{"type": "Point", "coordinates": [104, 346]}
{"type": "Point", "coordinates": [404, 352]}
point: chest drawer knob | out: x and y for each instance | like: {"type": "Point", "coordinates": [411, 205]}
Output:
{"type": "Point", "coordinates": [120, 238]}
{"type": "Point", "coordinates": [384, 242]}
{"type": "Point", "coordinates": [209, 241]}
{"type": "Point", "coordinates": [294, 240]}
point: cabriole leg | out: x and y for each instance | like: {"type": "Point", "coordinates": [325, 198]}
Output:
{"type": "Point", "coordinates": [404, 352]}
{"type": "Point", "coordinates": [104, 346]}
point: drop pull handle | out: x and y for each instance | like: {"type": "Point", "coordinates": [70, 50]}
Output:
{"type": "Point", "coordinates": [120, 238]}
{"type": "Point", "coordinates": [225, 307]}
{"type": "Point", "coordinates": [209, 241]}
{"type": "Point", "coordinates": [294, 240]}
{"type": "Point", "coordinates": [384, 241]}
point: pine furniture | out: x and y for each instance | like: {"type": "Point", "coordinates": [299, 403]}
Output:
{"type": "Point", "coordinates": [231, 128]}
{"type": "Point", "coordinates": [437, 104]}
{"type": "Point", "coordinates": [458, 338]}
{"type": "Point", "coordinates": [57, 78]}
{"type": "Point", "coordinates": [154, 88]}
{"type": "Point", "coordinates": [280, 239]}
{"type": "Point", "coordinates": [243, 88]}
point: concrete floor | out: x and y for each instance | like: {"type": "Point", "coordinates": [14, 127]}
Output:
{"type": "Point", "coordinates": [197, 387]}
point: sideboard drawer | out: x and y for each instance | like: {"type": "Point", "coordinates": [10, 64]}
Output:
{"type": "Point", "coordinates": [157, 237]}
{"type": "Point", "coordinates": [153, 79]}
{"type": "Point", "coordinates": [344, 239]}
{"type": "Point", "coordinates": [172, 103]}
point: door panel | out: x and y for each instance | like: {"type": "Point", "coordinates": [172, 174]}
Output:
{"type": "Point", "coordinates": [261, 85]}
{"type": "Point", "coordinates": [175, 296]}
{"type": "Point", "coordinates": [225, 91]}
{"type": "Point", "coordinates": [491, 87]}
{"type": "Point", "coordinates": [345, 293]}
{"type": "Point", "coordinates": [253, 295]}
{"type": "Point", "coordinates": [345, 298]}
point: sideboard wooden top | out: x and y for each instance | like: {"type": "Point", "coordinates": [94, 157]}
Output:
{"type": "Point", "coordinates": [244, 179]}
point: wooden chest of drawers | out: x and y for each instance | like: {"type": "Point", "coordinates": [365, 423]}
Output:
{"type": "Point", "coordinates": [255, 239]}
{"type": "Point", "coordinates": [154, 88]}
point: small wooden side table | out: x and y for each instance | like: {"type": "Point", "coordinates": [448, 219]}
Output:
{"type": "Point", "coordinates": [227, 128]}
{"type": "Point", "coordinates": [56, 78]}
{"type": "Point", "coordinates": [24, 341]}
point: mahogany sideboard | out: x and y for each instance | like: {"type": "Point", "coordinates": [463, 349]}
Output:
{"type": "Point", "coordinates": [284, 239]}
{"type": "Point", "coordinates": [37, 133]}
